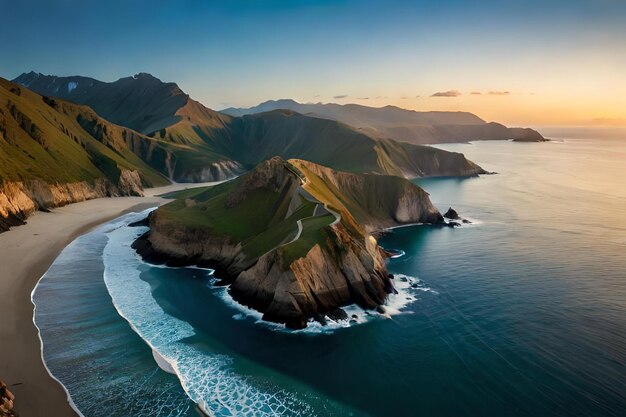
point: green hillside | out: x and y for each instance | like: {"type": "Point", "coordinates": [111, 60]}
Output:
{"type": "Point", "coordinates": [206, 145]}
{"type": "Point", "coordinates": [60, 142]}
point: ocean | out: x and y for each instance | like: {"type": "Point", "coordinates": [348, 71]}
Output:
{"type": "Point", "coordinates": [522, 312]}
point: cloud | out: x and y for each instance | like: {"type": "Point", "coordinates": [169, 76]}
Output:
{"type": "Point", "coordinates": [340, 96]}
{"type": "Point", "coordinates": [475, 93]}
{"type": "Point", "coordinates": [417, 96]}
{"type": "Point", "coordinates": [363, 98]}
{"type": "Point", "coordinates": [403, 98]}
{"type": "Point", "coordinates": [499, 93]}
{"type": "Point", "coordinates": [449, 93]}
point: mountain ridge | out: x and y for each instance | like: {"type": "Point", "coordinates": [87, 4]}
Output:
{"type": "Point", "coordinates": [211, 143]}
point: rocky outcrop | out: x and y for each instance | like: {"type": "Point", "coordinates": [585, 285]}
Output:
{"type": "Point", "coordinates": [6, 401]}
{"type": "Point", "coordinates": [18, 200]}
{"type": "Point", "coordinates": [529, 135]}
{"type": "Point", "coordinates": [451, 214]}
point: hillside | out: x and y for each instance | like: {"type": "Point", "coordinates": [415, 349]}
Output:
{"type": "Point", "coordinates": [400, 124]}
{"type": "Point", "coordinates": [53, 152]}
{"type": "Point", "coordinates": [142, 102]}
{"type": "Point", "coordinates": [205, 145]}
{"type": "Point", "coordinates": [291, 238]}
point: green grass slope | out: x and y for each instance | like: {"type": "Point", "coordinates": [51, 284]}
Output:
{"type": "Point", "coordinates": [60, 142]}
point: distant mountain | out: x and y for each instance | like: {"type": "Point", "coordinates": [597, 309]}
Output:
{"type": "Point", "coordinates": [205, 145]}
{"type": "Point", "coordinates": [142, 102]}
{"type": "Point", "coordinates": [53, 152]}
{"type": "Point", "coordinates": [401, 124]}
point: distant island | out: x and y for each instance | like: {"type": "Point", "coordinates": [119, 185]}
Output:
{"type": "Point", "coordinates": [404, 125]}
{"type": "Point", "coordinates": [293, 239]}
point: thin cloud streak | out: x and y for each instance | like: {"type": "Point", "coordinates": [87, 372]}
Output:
{"type": "Point", "coordinates": [449, 93]}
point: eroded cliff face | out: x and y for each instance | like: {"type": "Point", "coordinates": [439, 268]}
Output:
{"type": "Point", "coordinates": [170, 242]}
{"type": "Point", "coordinates": [18, 200]}
{"type": "Point", "coordinates": [345, 271]}
{"type": "Point", "coordinates": [217, 171]}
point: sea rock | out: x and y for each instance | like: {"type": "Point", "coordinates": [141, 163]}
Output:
{"type": "Point", "coordinates": [451, 214]}
{"type": "Point", "coordinates": [337, 314]}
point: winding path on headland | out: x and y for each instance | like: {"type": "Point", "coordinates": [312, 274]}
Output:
{"type": "Point", "coordinates": [306, 195]}
{"type": "Point", "coordinates": [26, 253]}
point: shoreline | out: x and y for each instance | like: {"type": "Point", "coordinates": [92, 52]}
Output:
{"type": "Point", "coordinates": [26, 253]}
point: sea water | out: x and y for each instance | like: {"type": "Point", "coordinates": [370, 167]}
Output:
{"type": "Point", "coordinates": [522, 312]}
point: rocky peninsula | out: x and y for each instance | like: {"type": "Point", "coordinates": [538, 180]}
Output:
{"type": "Point", "coordinates": [292, 239]}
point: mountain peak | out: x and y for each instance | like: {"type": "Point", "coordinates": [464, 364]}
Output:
{"type": "Point", "coordinates": [145, 76]}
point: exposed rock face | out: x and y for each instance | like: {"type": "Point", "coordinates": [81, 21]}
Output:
{"type": "Point", "coordinates": [6, 401]}
{"type": "Point", "coordinates": [217, 171]}
{"type": "Point", "coordinates": [18, 200]}
{"type": "Point", "coordinates": [343, 264]}
{"type": "Point", "coordinates": [348, 271]}
{"type": "Point", "coordinates": [170, 242]}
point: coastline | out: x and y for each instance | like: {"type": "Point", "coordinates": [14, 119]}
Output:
{"type": "Point", "coordinates": [26, 253]}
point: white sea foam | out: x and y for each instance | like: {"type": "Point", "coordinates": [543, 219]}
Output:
{"type": "Point", "coordinates": [408, 288]}
{"type": "Point", "coordinates": [207, 378]}
{"type": "Point", "coordinates": [398, 253]}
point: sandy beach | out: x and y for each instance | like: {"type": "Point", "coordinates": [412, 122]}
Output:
{"type": "Point", "coordinates": [26, 252]}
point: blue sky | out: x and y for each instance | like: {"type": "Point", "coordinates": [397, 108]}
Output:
{"type": "Point", "coordinates": [559, 61]}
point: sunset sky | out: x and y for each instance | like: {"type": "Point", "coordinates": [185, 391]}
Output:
{"type": "Point", "coordinates": [533, 62]}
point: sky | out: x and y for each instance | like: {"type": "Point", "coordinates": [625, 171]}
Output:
{"type": "Point", "coordinates": [520, 62]}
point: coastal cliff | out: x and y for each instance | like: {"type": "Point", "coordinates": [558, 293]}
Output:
{"type": "Point", "coordinates": [18, 199]}
{"type": "Point", "coordinates": [292, 239]}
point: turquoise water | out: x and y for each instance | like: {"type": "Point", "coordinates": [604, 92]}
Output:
{"type": "Point", "coordinates": [521, 313]}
